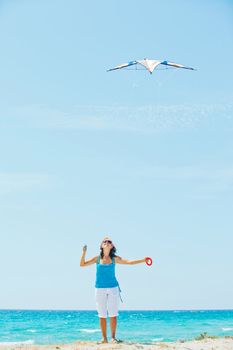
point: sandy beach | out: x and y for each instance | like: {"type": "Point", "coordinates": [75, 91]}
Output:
{"type": "Point", "coordinates": [204, 344]}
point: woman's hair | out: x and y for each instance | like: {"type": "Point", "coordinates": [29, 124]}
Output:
{"type": "Point", "coordinates": [112, 253]}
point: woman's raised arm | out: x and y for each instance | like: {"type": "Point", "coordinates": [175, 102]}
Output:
{"type": "Point", "coordinates": [88, 262]}
{"type": "Point", "coordinates": [119, 260]}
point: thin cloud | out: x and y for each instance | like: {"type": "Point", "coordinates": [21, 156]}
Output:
{"type": "Point", "coordinates": [22, 182]}
{"type": "Point", "coordinates": [148, 119]}
{"type": "Point", "coordinates": [180, 173]}
{"type": "Point", "coordinates": [204, 182]}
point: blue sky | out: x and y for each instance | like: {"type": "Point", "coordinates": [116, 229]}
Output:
{"type": "Point", "coordinates": [145, 159]}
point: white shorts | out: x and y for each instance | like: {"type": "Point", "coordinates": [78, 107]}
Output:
{"type": "Point", "coordinates": [107, 300]}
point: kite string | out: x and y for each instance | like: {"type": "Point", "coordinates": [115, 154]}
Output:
{"type": "Point", "coordinates": [144, 69]}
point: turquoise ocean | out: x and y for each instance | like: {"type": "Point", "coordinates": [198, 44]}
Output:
{"type": "Point", "coordinates": [50, 327]}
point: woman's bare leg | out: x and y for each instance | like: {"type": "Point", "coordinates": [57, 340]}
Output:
{"type": "Point", "coordinates": [103, 326]}
{"type": "Point", "coordinates": [113, 325]}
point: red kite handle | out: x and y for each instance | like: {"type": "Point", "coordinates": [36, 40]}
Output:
{"type": "Point", "coordinates": [149, 261]}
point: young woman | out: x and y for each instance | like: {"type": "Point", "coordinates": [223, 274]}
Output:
{"type": "Point", "coordinates": [106, 286]}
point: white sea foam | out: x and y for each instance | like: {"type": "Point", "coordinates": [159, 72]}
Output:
{"type": "Point", "coordinates": [157, 339]}
{"type": "Point", "coordinates": [227, 329]}
{"type": "Point", "coordinates": [28, 342]}
{"type": "Point", "coordinates": [89, 330]}
{"type": "Point", "coordinates": [31, 330]}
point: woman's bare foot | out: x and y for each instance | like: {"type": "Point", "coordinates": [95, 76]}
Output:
{"type": "Point", "coordinates": [115, 341]}
{"type": "Point", "coordinates": [103, 341]}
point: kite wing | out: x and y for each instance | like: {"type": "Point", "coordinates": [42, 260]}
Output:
{"type": "Point", "coordinates": [150, 65]}
{"type": "Point", "coordinates": [176, 65]}
{"type": "Point", "coordinates": [124, 65]}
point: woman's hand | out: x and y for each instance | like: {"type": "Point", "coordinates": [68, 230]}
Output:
{"type": "Point", "coordinates": [87, 262]}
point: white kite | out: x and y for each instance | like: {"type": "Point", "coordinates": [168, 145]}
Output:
{"type": "Point", "coordinates": [150, 65]}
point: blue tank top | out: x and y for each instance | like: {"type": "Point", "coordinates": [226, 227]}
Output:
{"type": "Point", "coordinates": [105, 275]}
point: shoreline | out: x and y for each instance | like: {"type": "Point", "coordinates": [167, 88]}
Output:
{"type": "Point", "coordinates": [208, 343]}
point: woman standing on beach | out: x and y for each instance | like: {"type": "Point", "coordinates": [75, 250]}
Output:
{"type": "Point", "coordinates": [107, 290]}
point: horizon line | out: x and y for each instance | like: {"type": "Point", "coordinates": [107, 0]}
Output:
{"type": "Point", "coordinates": [119, 310]}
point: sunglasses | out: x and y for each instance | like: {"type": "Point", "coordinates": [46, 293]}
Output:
{"type": "Point", "coordinates": [107, 241]}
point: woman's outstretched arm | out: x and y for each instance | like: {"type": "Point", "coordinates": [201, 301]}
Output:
{"type": "Point", "coordinates": [120, 260]}
{"type": "Point", "coordinates": [88, 262]}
